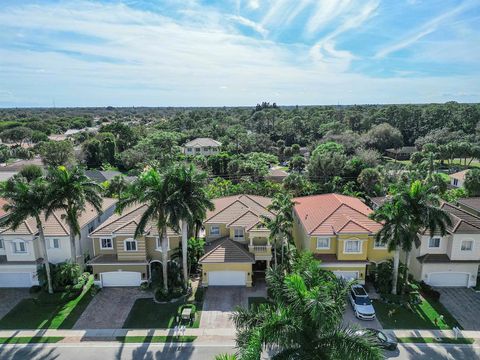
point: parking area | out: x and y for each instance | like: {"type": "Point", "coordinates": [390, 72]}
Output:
{"type": "Point", "coordinates": [9, 298]}
{"type": "Point", "coordinates": [109, 308]}
{"type": "Point", "coordinates": [220, 301]}
{"type": "Point", "coordinates": [463, 304]}
{"type": "Point", "coordinates": [350, 318]}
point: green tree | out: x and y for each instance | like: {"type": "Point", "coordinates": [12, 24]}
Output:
{"type": "Point", "coordinates": [70, 191]}
{"type": "Point", "coordinates": [297, 163]}
{"type": "Point", "coordinates": [115, 187]}
{"type": "Point", "coordinates": [383, 136]}
{"type": "Point", "coordinates": [327, 161]}
{"type": "Point", "coordinates": [303, 320]}
{"type": "Point", "coordinates": [24, 200]}
{"type": "Point", "coordinates": [472, 182]}
{"type": "Point", "coordinates": [56, 153]}
{"type": "Point", "coordinates": [18, 135]}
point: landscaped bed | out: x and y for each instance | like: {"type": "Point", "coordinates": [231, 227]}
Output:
{"type": "Point", "coordinates": [256, 300]}
{"type": "Point", "coordinates": [35, 314]}
{"type": "Point", "coordinates": [431, 340]}
{"type": "Point", "coordinates": [421, 316]}
{"type": "Point", "coordinates": [30, 340]}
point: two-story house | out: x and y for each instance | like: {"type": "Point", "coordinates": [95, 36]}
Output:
{"type": "Point", "coordinates": [338, 231]}
{"type": "Point", "coordinates": [120, 259]}
{"type": "Point", "coordinates": [472, 205]}
{"type": "Point", "coordinates": [202, 146]}
{"type": "Point", "coordinates": [238, 243]}
{"type": "Point", "coordinates": [458, 179]}
{"type": "Point", "coordinates": [450, 260]}
{"type": "Point", "coordinates": [20, 253]}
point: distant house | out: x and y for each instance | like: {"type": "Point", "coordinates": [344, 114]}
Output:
{"type": "Point", "coordinates": [102, 176]}
{"type": "Point", "coordinates": [20, 164]}
{"type": "Point", "coordinates": [403, 153]}
{"type": "Point", "coordinates": [472, 205]}
{"type": "Point", "coordinates": [202, 146]}
{"type": "Point", "coordinates": [276, 175]}
{"type": "Point", "coordinates": [458, 179]}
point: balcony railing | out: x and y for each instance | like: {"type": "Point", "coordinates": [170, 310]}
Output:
{"type": "Point", "coordinates": [260, 249]}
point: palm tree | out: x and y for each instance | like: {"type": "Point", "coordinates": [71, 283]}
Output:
{"type": "Point", "coordinates": [281, 224]}
{"type": "Point", "coordinates": [155, 190]}
{"type": "Point", "coordinates": [412, 210]}
{"type": "Point", "coordinates": [192, 203]}
{"type": "Point", "coordinates": [25, 200]}
{"type": "Point", "coordinates": [303, 320]}
{"type": "Point", "coordinates": [70, 191]}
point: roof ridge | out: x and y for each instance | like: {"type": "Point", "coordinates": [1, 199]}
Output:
{"type": "Point", "coordinates": [215, 248]}
{"type": "Point", "coordinates": [256, 202]}
{"type": "Point", "coordinates": [120, 216]}
{"type": "Point", "coordinates": [325, 219]}
{"type": "Point", "coordinates": [459, 218]}
{"type": "Point", "coordinates": [55, 215]}
{"type": "Point", "coordinates": [226, 207]}
{"type": "Point", "coordinates": [134, 220]}
{"type": "Point", "coordinates": [239, 217]}
{"type": "Point", "coordinates": [353, 221]}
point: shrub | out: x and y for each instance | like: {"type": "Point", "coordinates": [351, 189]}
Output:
{"type": "Point", "coordinates": [428, 292]}
{"type": "Point", "coordinates": [35, 289]}
{"type": "Point", "coordinates": [161, 295]}
{"type": "Point", "coordinates": [199, 294]}
{"type": "Point", "coordinates": [144, 286]}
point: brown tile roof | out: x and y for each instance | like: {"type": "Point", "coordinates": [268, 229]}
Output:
{"type": "Point", "coordinates": [126, 223]}
{"type": "Point", "coordinates": [462, 221]}
{"type": "Point", "coordinates": [329, 214]}
{"type": "Point", "coordinates": [56, 224]}
{"type": "Point", "coordinates": [226, 251]}
{"type": "Point", "coordinates": [239, 210]}
{"type": "Point", "coordinates": [441, 258]}
{"type": "Point", "coordinates": [459, 175]}
{"type": "Point", "coordinates": [472, 203]}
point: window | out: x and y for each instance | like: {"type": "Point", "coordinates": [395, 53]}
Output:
{"type": "Point", "coordinates": [159, 243]}
{"type": "Point", "coordinates": [467, 245]}
{"type": "Point", "coordinates": [238, 234]}
{"type": "Point", "coordinates": [189, 149]}
{"type": "Point", "coordinates": [206, 149]}
{"type": "Point", "coordinates": [323, 243]}
{"type": "Point", "coordinates": [353, 246]}
{"type": "Point", "coordinates": [379, 245]}
{"type": "Point", "coordinates": [19, 247]}
{"type": "Point", "coordinates": [106, 243]}
{"type": "Point", "coordinates": [54, 244]}
{"type": "Point", "coordinates": [214, 230]}
{"type": "Point", "coordinates": [455, 182]}
{"type": "Point", "coordinates": [197, 150]}
{"type": "Point", "coordinates": [1, 244]}
{"type": "Point", "coordinates": [130, 245]}
{"type": "Point", "coordinates": [434, 242]}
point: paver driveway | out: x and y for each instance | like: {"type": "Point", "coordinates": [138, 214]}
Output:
{"type": "Point", "coordinates": [220, 301]}
{"type": "Point", "coordinates": [109, 308]}
{"type": "Point", "coordinates": [9, 298]}
{"type": "Point", "coordinates": [463, 304]}
{"type": "Point", "coordinates": [349, 318]}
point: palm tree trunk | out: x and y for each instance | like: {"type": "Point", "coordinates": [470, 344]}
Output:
{"type": "Point", "coordinates": [396, 264]}
{"type": "Point", "coordinates": [185, 251]}
{"type": "Point", "coordinates": [275, 252]}
{"type": "Point", "coordinates": [73, 245]}
{"type": "Point", "coordinates": [41, 237]}
{"type": "Point", "coordinates": [405, 271]}
{"type": "Point", "coordinates": [164, 241]}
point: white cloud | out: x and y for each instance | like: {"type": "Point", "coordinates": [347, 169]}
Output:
{"type": "Point", "coordinates": [249, 23]}
{"type": "Point", "coordinates": [254, 4]}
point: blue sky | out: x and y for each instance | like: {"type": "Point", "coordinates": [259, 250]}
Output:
{"type": "Point", "coordinates": [238, 52]}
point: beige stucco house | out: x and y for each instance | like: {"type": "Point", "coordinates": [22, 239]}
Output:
{"type": "Point", "coordinates": [20, 252]}
{"type": "Point", "coordinates": [458, 179]}
{"type": "Point", "coordinates": [120, 259]}
{"type": "Point", "coordinates": [202, 146]}
{"type": "Point", "coordinates": [339, 232]}
{"type": "Point", "coordinates": [238, 243]}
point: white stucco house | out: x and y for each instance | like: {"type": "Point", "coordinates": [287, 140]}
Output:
{"type": "Point", "coordinates": [21, 255]}
{"type": "Point", "coordinates": [450, 260]}
{"type": "Point", "coordinates": [202, 146]}
{"type": "Point", "coordinates": [458, 179]}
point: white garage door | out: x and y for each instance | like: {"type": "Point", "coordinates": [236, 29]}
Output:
{"type": "Point", "coordinates": [121, 278]}
{"type": "Point", "coordinates": [12, 280]}
{"type": "Point", "coordinates": [226, 278]}
{"type": "Point", "coordinates": [448, 279]}
{"type": "Point", "coordinates": [347, 275]}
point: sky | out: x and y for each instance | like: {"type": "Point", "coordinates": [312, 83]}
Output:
{"type": "Point", "coordinates": [238, 52]}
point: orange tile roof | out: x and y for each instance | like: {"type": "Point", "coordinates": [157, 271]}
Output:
{"type": "Point", "coordinates": [329, 214]}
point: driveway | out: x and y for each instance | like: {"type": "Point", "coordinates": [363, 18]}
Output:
{"type": "Point", "coordinates": [350, 318]}
{"type": "Point", "coordinates": [463, 304]}
{"type": "Point", "coordinates": [109, 308]}
{"type": "Point", "coordinates": [9, 298]}
{"type": "Point", "coordinates": [220, 301]}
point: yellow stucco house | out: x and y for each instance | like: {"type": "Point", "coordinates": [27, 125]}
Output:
{"type": "Point", "coordinates": [238, 244]}
{"type": "Point", "coordinates": [119, 259]}
{"type": "Point", "coordinates": [337, 230]}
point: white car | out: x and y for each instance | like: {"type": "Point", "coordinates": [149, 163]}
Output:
{"type": "Point", "coordinates": [361, 303]}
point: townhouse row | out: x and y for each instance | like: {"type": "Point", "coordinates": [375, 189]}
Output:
{"type": "Point", "coordinates": [336, 228]}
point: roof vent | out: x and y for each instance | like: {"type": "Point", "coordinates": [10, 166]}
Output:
{"type": "Point", "coordinates": [306, 216]}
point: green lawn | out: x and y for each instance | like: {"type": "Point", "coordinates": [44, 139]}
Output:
{"type": "Point", "coordinates": [430, 340]}
{"type": "Point", "coordinates": [421, 316]}
{"type": "Point", "coordinates": [146, 314]}
{"type": "Point", "coordinates": [255, 301]}
{"type": "Point", "coordinates": [32, 314]}
{"type": "Point", "coordinates": [155, 339]}
{"type": "Point", "coordinates": [30, 340]}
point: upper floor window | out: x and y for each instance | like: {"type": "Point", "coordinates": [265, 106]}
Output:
{"type": "Point", "coordinates": [238, 233]}
{"type": "Point", "coordinates": [2, 247]}
{"type": "Point", "coordinates": [54, 244]}
{"type": "Point", "coordinates": [206, 149]}
{"type": "Point", "coordinates": [106, 243]}
{"type": "Point", "coordinates": [19, 247]}
{"type": "Point", "coordinates": [214, 230]}
{"type": "Point", "coordinates": [455, 182]}
{"type": "Point", "coordinates": [467, 245]}
{"type": "Point", "coordinates": [323, 243]}
{"type": "Point", "coordinates": [130, 245]}
{"type": "Point", "coordinates": [379, 245]}
{"type": "Point", "coordinates": [353, 246]}
{"type": "Point", "coordinates": [434, 242]}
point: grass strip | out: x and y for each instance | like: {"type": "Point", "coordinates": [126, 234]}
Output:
{"type": "Point", "coordinates": [431, 340]}
{"type": "Point", "coordinates": [156, 339]}
{"type": "Point", "coordinates": [30, 340]}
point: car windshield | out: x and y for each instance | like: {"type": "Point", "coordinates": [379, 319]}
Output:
{"type": "Point", "coordinates": [363, 301]}
{"type": "Point", "coordinates": [382, 336]}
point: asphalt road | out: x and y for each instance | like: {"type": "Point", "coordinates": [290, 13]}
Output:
{"type": "Point", "coordinates": [107, 351]}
